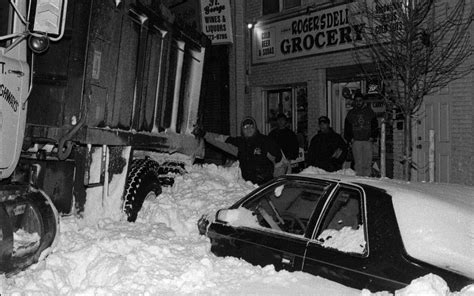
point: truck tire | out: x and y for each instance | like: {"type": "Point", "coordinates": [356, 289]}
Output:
{"type": "Point", "coordinates": [168, 170]}
{"type": "Point", "coordinates": [50, 222]}
{"type": "Point", "coordinates": [36, 214]}
{"type": "Point", "coordinates": [142, 182]}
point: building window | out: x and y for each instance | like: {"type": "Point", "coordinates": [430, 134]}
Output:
{"type": "Point", "coordinates": [270, 6]}
{"type": "Point", "coordinates": [287, 4]}
{"type": "Point", "coordinates": [275, 6]}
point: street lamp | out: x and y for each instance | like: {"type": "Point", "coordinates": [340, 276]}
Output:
{"type": "Point", "coordinates": [250, 27]}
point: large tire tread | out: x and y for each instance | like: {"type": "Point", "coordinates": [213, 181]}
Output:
{"type": "Point", "coordinates": [146, 175]}
{"type": "Point", "coordinates": [143, 178]}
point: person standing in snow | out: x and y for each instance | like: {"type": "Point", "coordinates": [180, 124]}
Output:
{"type": "Point", "coordinates": [285, 138]}
{"type": "Point", "coordinates": [327, 150]}
{"type": "Point", "coordinates": [257, 153]}
{"type": "Point", "coordinates": [360, 131]}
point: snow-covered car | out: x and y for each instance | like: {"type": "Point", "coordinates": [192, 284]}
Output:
{"type": "Point", "coordinates": [364, 233]}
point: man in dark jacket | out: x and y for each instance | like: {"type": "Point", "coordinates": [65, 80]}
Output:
{"type": "Point", "coordinates": [327, 149]}
{"type": "Point", "coordinates": [257, 153]}
{"type": "Point", "coordinates": [285, 137]}
{"type": "Point", "coordinates": [360, 131]}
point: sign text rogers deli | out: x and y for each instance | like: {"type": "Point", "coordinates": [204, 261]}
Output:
{"type": "Point", "coordinates": [318, 32]}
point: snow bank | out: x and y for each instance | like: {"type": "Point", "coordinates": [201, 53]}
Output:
{"type": "Point", "coordinates": [162, 253]}
{"type": "Point", "coordinates": [428, 285]}
{"type": "Point", "coordinates": [204, 189]}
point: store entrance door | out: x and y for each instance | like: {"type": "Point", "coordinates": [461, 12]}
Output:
{"type": "Point", "coordinates": [279, 101]}
{"type": "Point", "coordinates": [340, 102]}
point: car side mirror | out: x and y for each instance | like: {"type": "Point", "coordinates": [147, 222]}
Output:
{"type": "Point", "coordinates": [237, 217]}
{"type": "Point", "coordinates": [222, 215]}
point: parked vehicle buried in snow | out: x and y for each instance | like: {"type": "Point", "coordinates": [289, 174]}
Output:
{"type": "Point", "coordinates": [360, 232]}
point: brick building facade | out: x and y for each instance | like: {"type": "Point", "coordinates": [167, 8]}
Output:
{"type": "Point", "coordinates": [262, 87]}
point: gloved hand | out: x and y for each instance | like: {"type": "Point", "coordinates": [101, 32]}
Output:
{"type": "Point", "coordinates": [198, 131]}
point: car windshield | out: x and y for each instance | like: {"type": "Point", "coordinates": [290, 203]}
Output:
{"type": "Point", "coordinates": [286, 206]}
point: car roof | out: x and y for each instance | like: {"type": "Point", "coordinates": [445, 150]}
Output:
{"type": "Point", "coordinates": [459, 196]}
{"type": "Point", "coordinates": [436, 220]}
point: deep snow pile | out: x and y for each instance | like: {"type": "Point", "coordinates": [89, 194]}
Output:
{"type": "Point", "coordinates": [163, 254]}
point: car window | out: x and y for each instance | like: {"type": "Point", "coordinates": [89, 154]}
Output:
{"type": "Point", "coordinates": [342, 227]}
{"type": "Point", "coordinates": [287, 206]}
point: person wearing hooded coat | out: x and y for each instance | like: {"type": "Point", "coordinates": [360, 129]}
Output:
{"type": "Point", "coordinates": [257, 153]}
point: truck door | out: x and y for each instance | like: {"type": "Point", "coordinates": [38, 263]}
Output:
{"type": "Point", "coordinates": [14, 81]}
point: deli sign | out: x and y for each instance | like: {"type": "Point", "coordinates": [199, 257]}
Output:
{"type": "Point", "coordinates": [308, 34]}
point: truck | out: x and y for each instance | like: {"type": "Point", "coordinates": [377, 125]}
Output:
{"type": "Point", "coordinates": [119, 79]}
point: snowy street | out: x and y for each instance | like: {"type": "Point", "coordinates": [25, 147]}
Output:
{"type": "Point", "coordinates": [163, 254]}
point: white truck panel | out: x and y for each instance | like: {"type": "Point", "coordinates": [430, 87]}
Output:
{"type": "Point", "coordinates": [14, 86]}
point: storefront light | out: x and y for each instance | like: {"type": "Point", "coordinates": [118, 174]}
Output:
{"type": "Point", "coordinates": [251, 24]}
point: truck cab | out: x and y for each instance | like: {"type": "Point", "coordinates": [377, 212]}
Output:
{"type": "Point", "coordinates": [14, 88]}
{"type": "Point", "coordinates": [29, 222]}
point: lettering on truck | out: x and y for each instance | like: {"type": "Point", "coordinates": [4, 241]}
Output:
{"type": "Point", "coordinates": [7, 95]}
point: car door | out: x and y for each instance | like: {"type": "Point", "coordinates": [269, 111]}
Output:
{"type": "Point", "coordinates": [279, 233]}
{"type": "Point", "coordinates": [338, 249]}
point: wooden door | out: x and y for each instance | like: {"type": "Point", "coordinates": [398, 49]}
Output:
{"type": "Point", "coordinates": [435, 114]}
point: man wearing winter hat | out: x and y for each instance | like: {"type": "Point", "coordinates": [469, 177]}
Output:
{"type": "Point", "coordinates": [285, 137]}
{"type": "Point", "coordinates": [327, 149]}
{"type": "Point", "coordinates": [257, 153]}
